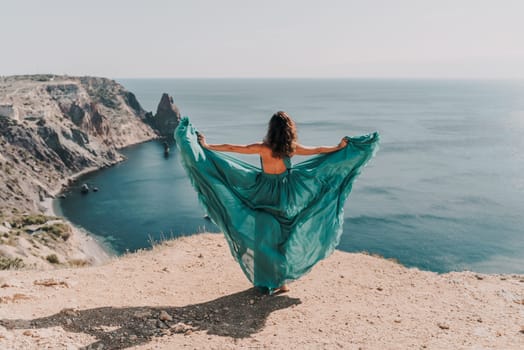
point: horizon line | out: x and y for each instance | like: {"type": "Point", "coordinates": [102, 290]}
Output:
{"type": "Point", "coordinates": [277, 77]}
{"type": "Point", "coordinates": [333, 78]}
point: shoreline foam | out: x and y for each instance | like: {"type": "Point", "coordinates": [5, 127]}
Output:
{"type": "Point", "coordinates": [80, 239]}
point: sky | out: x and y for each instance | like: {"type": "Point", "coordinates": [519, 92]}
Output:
{"type": "Point", "coordinates": [241, 38]}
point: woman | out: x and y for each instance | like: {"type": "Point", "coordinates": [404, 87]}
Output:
{"type": "Point", "coordinates": [280, 220]}
{"type": "Point", "coordinates": [279, 144]}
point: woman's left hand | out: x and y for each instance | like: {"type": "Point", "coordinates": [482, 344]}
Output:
{"type": "Point", "coordinates": [202, 139]}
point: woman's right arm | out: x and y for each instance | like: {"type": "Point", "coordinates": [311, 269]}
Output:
{"type": "Point", "coordinates": [308, 151]}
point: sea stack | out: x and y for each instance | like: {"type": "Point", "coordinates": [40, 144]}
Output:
{"type": "Point", "coordinates": [166, 118]}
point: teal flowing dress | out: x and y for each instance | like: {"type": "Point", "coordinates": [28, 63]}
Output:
{"type": "Point", "coordinates": [278, 226]}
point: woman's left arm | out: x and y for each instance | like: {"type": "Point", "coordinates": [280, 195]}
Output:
{"type": "Point", "coordinates": [226, 147]}
{"type": "Point", "coordinates": [308, 151]}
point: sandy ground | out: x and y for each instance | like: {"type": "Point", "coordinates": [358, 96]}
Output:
{"type": "Point", "coordinates": [190, 293]}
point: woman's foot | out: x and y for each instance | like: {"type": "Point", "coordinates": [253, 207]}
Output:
{"type": "Point", "coordinates": [282, 289]}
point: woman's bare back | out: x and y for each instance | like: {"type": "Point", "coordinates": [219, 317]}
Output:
{"type": "Point", "coordinates": [270, 164]}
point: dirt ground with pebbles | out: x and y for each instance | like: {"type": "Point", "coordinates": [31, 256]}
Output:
{"type": "Point", "coordinates": [189, 293]}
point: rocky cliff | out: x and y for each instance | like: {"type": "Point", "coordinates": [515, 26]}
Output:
{"type": "Point", "coordinates": [52, 127]}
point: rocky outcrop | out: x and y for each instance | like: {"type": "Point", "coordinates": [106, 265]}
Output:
{"type": "Point", "coordinates": [54, 126]}
{"type": "Point", "coordinates": [166, 118]}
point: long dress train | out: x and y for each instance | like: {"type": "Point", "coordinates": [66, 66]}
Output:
{"type": "Point", "coordinates": [278, 226]}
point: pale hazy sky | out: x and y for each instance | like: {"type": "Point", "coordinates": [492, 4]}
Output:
{"type": "Point", "coordinates": [242, 38]}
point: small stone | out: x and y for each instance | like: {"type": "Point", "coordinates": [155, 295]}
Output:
{"type": "Point", "coordinates": [479, 277]}
{"type": "Point", "coordinates": [27, 333]}
{"type": "Point", "coordinates": [479, 320]}
{"type": "Point", "coordinates": [397, 320]}
{"type": "Point", "coordinates": [69, 322]}
{"type": "Point", "coordinates": [179, 328]}
{"type": "Point", "coordinates": [133, 337]}
{"type": "Point", "coordinates": [522, 329]}
{"type": "Point", "coordinates": [188, 332]}
{"type": "Point", "coordinates": [442, 325]}
{"type": "Point", "coordinates": [50, 282]}
{"type": "Point", "coordinates": [5, 285]}
{"type": "Point", "coordinates": [251, 302]}
{"type": "Point", "coordinates": [499, 334]}
{"type": "Point", "coordinates": [160, 324]}
{"type": "Point", "coordinates": [379, 289]}
{"type": "Point", "coordinates": [164, 316]}
{"type": "Point", "coordinates": [200, 255]}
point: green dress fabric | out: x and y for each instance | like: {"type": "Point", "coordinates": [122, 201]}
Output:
{"type": "Point", "coordinates": [277, 226]}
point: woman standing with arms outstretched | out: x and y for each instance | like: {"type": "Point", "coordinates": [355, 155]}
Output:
{"type": "Point", "coordinates": [279, 220]}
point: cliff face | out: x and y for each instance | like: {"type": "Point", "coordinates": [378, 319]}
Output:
{"type": "Point", "coordinates": [52, 127]}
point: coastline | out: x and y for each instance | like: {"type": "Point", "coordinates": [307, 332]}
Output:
{"type": "Point", "coordinates": [88, 243]}
{"type": "Point", "coordinates": [96, 251]}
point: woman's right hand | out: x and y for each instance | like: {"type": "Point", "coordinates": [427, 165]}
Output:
{"type": "Point", "coordinates": [343, 143]}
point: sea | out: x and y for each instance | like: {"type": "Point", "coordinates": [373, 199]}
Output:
{"type": "Point", "coordinates": [445, 192]}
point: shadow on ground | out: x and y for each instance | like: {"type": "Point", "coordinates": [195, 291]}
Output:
{"type": "Point", "coordinates": [237, 315]}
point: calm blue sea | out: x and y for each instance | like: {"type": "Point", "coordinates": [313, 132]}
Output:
{"type": "Point", "coordinates": [445, 191]}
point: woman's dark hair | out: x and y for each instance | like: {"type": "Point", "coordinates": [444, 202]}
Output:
{"type": "Point", "coordinates": [281, 135]}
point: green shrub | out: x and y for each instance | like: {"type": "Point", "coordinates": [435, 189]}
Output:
{"type": "Point", "coordinates": [10, 263]}
{"type": "Point", "coordinates": [36, 219]}
{"type": "Point", "coordinates": [52, 258]}
{"type": "Point", "coordinates": [59, 230]}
